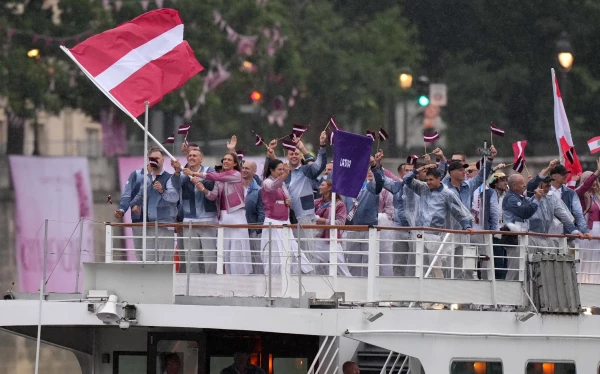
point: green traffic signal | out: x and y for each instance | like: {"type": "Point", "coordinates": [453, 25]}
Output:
{"type": "Point", "coordinates": [423, 100]}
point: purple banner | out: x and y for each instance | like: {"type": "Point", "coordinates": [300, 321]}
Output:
{"type": "Point", "coordinates": [351, 154]}
{"type": "Point", "coordinates": [57, 189]}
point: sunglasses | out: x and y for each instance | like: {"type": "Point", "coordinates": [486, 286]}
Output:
{"type": "Point", "coordinates": [471, 170]}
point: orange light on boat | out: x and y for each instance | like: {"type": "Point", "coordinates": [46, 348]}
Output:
{"type": "Point", "coordinates": [254, 359]}
{"type": "Point", "coordinates": [480, 367]}
{"type": "Point", "coordinates": [270, 364]}
{"type": "Point", "coordinates": [548, 368]}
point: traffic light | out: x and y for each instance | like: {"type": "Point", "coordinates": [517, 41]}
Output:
{"type": "Point", "coordinates": [422, 88]}
{"type": "Point", "coordinates": [255, 96]}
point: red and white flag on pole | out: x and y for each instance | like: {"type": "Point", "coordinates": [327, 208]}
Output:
{"type": "Point", "coordinates": [519, 155]}
{"type": "Point", "coordinates": [563, 132]}
{"type": "Point", "coordinates": [138, 61]}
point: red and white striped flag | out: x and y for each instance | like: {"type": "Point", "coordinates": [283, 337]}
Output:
{"type": "Point", "coordinates": [594, 144]}
{"type": "Point", "coordinates": [297, 131]}
{"type": "Point", "coordinates": [170, 139]}
{"type": "Point", "coordinates": [429, 138]}
{"type": "Point", "coordinates": [412, 160]}
{"type": "Point", "coordinates": [259, 140]}
{"type": "Point", "coordinates": [519, 151]}
{"type": "Point", "coordinates": [563, 132]}
{"type": "Point", "coordinates": [331, 137]}
{"type": "Point", "coordinates": [382, 134]}
{"type": "Point", "coordinates": [138, 61]}
{"type": "Point", "coordinates": [496, 130]}
{"type": "Point", "coordinates": [370, 134]}
{"type": "Point", "coordinates": [333, 124]}
{"type": "Point", "coordinates": [289, 145]}
{"type": "Point", "coordinates": [183, 129]}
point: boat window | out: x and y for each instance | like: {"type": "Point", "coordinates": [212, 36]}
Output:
{"type": "Point", "coordinates": [129, 362]}
{"type": "Point", "coordinates": [475, 367]}
{"type": "Point", "coordinates": [182, 354]}
{"type": "Point", "coordinates": [541, 367]}
{"type": "Point", "coordinates": [290, 365]}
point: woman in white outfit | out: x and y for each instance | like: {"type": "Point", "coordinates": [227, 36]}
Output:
{"type": "Point", "coordinates": [323, 213]}
{"type": "Point", "coordinates": [229, 194]}
{"type": "Point", "coordinates": [276, 200]}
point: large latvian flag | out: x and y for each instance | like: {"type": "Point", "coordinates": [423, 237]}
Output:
{"type": "Point", "coordinates": [351, 156]}
{"type": "Point", "coordinates": [563, 132]}
{"type": "Point", "coordinates": [138, 61]}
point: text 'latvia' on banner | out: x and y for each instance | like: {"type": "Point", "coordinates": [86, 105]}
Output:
{"type": "Point", "coordinates": [351, 156]}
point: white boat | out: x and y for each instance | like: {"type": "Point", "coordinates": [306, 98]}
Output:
{"type": "Point", "coordinates": [130, 315]}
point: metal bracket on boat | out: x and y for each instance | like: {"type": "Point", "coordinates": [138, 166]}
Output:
{"type": "Point", "coordinates": [331, 303]}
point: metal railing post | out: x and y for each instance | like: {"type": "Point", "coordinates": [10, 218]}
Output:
{"type": "Point", "coordinates": [79, 254]}
{"type": "Point", "coordinates": [188, 264]}
{"type": "Point", "coordinates": [373, 260]}
{"type": "Point", "coordinates": [394, 364]}
{"type": "Point", "coordinates": [285, 266]}
{"type": "Point", "coordinates": [220, 249]}
{"type": "Point", "coordinates": [523, 243]}
{"type": "Point", "coordinates": [156, 242]}
{"type": "Point", "coordinates": [45, 255]}
{"type": "Point", "coordinates": [299, 261]}
{"type": "Point", "coordinates": [387, 361]}
{"type": "Point", "coordinates": [419, 249]}
{"type": "Point", "coordinates": [270, 266]}
{"type": "Point", "coordinates": [108, 247]}
{"type": "Point", "coordinates": [311, 369]}
{"type": "Point", "coordinates": [489, 240]}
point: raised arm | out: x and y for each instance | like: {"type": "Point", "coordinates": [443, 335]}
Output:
{"type": "Point", "coordinates": [315, 169]}
{"type": "Point", "coordinates": [226, 176]}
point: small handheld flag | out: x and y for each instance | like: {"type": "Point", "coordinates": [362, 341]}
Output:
{"type": "Point", "coordinates": [518, 165]}
{"type": "Point", "coordinates": [496, 130]}
{"type": "Point", "coordinates": [382, 134]}
{"type": "Point", "coordinates": [109, 199]}
{"type": "Point", "coordinates": [240, 153]}
{"type": "Point", "coordinates": [333, 124]}
{"type": "Point", "coordinates": [170, 139]}
{"type": "Point", "coordinates": [298, 131]}
{"type": "Point", "coordinates": [153, 161]}
{"type": "Point", "coordinates": [183, 129]}
{"type": "Point", "coordinates": [412, 160]}
{"type": "Point", "coordinates": [289, 145]}
{"type": "Point", "coordinates": [570, 154]}
{"type": "Point", "coordinates": [594, 144]}
{"type": "Point", "coordinates": [429, 138]}
{"type": "Point", "coordinates": [370, 134]}
{"type": "Point", "coordinates": [259, 140]}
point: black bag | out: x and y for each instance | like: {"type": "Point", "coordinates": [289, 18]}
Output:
{"type": "Point", "coordinates": [293, 219]}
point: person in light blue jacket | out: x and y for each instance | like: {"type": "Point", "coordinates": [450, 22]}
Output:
{"type": "Point", "coordinates": [161, 208]}
{"type": "Point", "coordinates": [132, 187]}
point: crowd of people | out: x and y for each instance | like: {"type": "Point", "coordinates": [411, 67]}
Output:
{"type": "Point", "coordinates": [436, 193]}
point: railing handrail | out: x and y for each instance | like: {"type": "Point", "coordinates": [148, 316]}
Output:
{"type": "Point", "coordinates": [352, 228]}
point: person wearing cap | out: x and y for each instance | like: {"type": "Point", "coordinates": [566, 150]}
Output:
{"type": "Point", "coordinates": [161, 207]}
{"type": "Point", "coordinates": [403, 259]}
{"type": "Point", "coordinates": [437, 204]}
{"type": "Point", "coordinates": [465, 189]}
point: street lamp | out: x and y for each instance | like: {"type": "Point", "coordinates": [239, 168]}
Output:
{"type": "Point", "coordinates": [564, 52]}
{"type": "Point", "coordinates": [405, 80]}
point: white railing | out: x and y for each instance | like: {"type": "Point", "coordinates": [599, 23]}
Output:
{"type": "Point", "coordinates": [367, 263]}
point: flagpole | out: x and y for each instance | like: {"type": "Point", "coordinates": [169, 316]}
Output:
{"type": "Point", "coordinates": [144, 187]}
{"type": "Point", "coordinates": [116, 102]}
{"type": "Point", "coordinates": [491, 138]}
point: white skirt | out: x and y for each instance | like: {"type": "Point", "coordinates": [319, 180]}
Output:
{"type": "Point", "coordinates": [589, 250]}
{"type": "Point", "coordinates": [278, 253]}
{"type": "Point", "coordinates": [236, 252]}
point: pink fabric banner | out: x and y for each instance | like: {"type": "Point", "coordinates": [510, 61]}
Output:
{"type": "Point", "coordinates": [57, 189]}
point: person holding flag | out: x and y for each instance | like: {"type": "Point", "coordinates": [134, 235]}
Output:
{"type": "Point", "coordinates": [161, 206]}
{"type": "Point", "coordinates": [437, 204]}
{"type": "Point", "coordinates": [363, 210]}
{"type": "Point", "coordinates": [196, 208]}
{"type": "Point", "coordinates": [299, 184]}
{"type": "Point", "coordinates": [569, 197]}
{"type": "Point", "coordinates": [402, 260]}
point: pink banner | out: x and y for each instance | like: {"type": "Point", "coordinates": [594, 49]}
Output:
{"type": "Point", "coordinates": [57, 189]}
